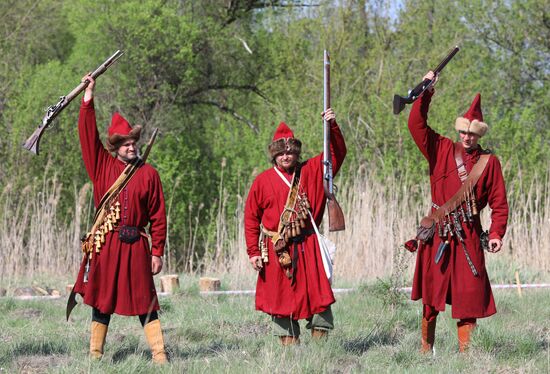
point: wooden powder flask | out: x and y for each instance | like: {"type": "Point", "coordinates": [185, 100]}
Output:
{"type": "Point", "coordinates": [448, 223]}
{"type": "Point", "coordinates": [440, 229]}
{"type": "Point", "coordinates": [462, 213]}
{"type": "Point", "coordinates": [298, 229]}
{"type": "Point", "coordinates": [469, 207]}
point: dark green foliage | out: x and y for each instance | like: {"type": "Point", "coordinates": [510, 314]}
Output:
{"type": "Point", "coordinates": [216, 77]}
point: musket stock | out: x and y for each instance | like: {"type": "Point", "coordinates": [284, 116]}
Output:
{"type": "Point", "coordinates": [399, 102]}
{"type": "Point", "coordinates": [33, 142]}
{"type": "Point", "coordinates": [336, 220]}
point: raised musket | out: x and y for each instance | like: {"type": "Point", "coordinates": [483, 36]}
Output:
{"type": "Point", "coordinates": [336, 220]}
{"type": "Point", "coordinates": [399, 102]}
{"type": "Point", "coordinates": [33, 142]}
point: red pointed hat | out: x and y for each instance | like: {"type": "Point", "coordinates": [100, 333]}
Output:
{"type": "Point", "coordinates": [472, 121]}
{"type": "Point", "coordinates": [283, 132]}
{"type": "Point", "coordinates": [120, 131]}
{"type": "Point", "coordinates": [284, 141]}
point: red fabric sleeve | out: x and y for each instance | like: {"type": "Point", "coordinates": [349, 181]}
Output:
{"type": "Point", "coordinates": [252, 219]}
{"type": "Point", "coordinates": [95, 156]}
{"type": "Point", "coordinates": [337, 147]}
{"type": "Point", "coordinates": [157, 216]}
{"type": "Point", "coordinates": [426, 139]}
{"type": "Point", "coordinates": [497, 202]}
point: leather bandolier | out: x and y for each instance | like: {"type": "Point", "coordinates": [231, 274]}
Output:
{"type": "Point", "coordinates": [291, 228]}
{"type": "Point", "coordinates": [459, 209]}
{"type": "Point", "coordinates": [107, 216]}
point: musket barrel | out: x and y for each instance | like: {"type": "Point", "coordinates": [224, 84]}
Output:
{"type": "Point", "coordinates": [327, 161]}
{"type": "Point", "coordinates": [446, 60]}
{"type": "Point", "coordinates": [32, 143]}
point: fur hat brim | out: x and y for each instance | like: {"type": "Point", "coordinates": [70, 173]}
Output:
{"type": "Point", "coordinates": [475, 126]}
{"type": "Point", "coordinates": [290, 145]}
{"type": "Point", "coordinates": [114, 141]}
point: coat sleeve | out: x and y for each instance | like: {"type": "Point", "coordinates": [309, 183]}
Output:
{"type": "Point", "coordinates": [426, 139]}
{"type": "Point", "coordinates": [252, 219]}
{"type": "Point", "coordinates": [95, 156]}
{"type": "Point", "coordinates": [497, 201]}
{"type": "Point", "coordinates": [157, 216]}
{"type": "Point", "coordinates": [337, 147]}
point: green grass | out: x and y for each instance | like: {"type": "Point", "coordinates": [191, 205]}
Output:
{"type": "Point", "coordinates": [375, 332]}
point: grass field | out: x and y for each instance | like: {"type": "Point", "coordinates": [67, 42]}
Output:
{"type": "Point", "coordinates": [376, 331]}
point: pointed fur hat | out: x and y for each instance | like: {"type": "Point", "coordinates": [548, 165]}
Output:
{"type": "Point", "coordinates": [284, 141]}
{"type": "Point", "coordinates": [119, 131]}
{"type": "Point", "coordinates": [472, 121]}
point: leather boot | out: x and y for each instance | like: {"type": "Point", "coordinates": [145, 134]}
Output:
{"type": "Point", "coordinates": [97, 339]}
{"type": "Point", "coordinates": [428, 335]}
{"type": "Point", "coordinates": [319, 334]}
{"type": "Point", "coordinates": [153, 334]}
{"type": "Point", "coordinates": [464, 333]}
{"type": "Point", "coordinates": [289, 340]}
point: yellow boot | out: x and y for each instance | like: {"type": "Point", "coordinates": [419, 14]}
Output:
{"type": "Point", "coordinates": [153, 334]}
{"type": "Point", "coordinates": [97, 339]}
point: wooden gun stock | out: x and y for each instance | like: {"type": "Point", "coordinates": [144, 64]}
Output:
{"type": "Point", "coordinates": [399, 102]}
{"type": "Point", "coordinates": [336, 220]}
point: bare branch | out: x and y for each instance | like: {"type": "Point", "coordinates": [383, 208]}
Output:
{"type": "Point", "coordinates": [226, 109]}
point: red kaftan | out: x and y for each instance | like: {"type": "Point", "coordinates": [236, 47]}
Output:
{"type": "Point", "coordinates": [120, 278]}
{"type": "Point", "coordinates": [311, 292]}
{"type": "Point", "coordinates": [451, 281]}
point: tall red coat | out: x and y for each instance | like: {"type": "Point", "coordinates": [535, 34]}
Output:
{"type": "Point", "coordinates": [311, 292]}
{"type": "Point", "coordinates": [451, 281]}
{"type": "Point", "coordinates": [120, 277]}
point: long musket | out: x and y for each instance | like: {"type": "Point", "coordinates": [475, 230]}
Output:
{"type": "Point", "coordinates": [399, 102]}
{"type": "Point", "coordinates": [103, 208]}
{"type": "Point", "coordinates": [32, 143]}
{"type": "Point", "coordinates": [336, 220]}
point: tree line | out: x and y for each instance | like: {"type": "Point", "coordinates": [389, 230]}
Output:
{"type": "Point", "coordinates": [217, 76]}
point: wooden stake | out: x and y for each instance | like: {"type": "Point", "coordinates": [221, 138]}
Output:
{"type": "Point", "coordinates": [518, 283]}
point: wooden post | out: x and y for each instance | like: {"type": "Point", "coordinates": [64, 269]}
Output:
{"type": "Point", "coordinates": [169, 283]}
{"type": "Point", "coordinates": [518, 283]}
{"type": "Point", "coordinates": [209, 284]}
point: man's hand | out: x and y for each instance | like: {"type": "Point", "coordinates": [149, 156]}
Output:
{"type": "Point", "coordinates": [256, 262]}
{"type": "Point", "coordinates": [89, 93]}
{"type": "Point", "coordinates": [495, 245]}
{"type": "Point", "coordinates": [329, 115]}
{"type": "Point", "coordinates": [156, 264]}
{"type": "Point", "coordinates": [431, 75]}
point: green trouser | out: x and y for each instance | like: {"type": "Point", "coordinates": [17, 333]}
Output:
{"type": "Point", "coordinates": [290, 327]}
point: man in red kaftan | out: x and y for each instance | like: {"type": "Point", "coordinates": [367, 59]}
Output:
{"type": "Point", "coordinates": [302, 289]}
{"type": "Point", "coordinates": [120, 276]}
{"type": "Point", "coordinates": [452, 280]}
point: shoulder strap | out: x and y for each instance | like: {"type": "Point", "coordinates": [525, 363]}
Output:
{"type": "Point", "coordinates": [459, 196]}
{"type": "Point", "coordinates": [120, 183]}
{"type": "Point", "coordinates": [290, 202]}
{"type": "Point", "coordinates": [460, 166]}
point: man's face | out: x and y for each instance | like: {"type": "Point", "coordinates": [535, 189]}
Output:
{"type": "Point", "coordinates": [127, 151]}
{"type": "Point", "coordinates": [468, 139]}
{"type": "Point", "coordinates": [286, 161]}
